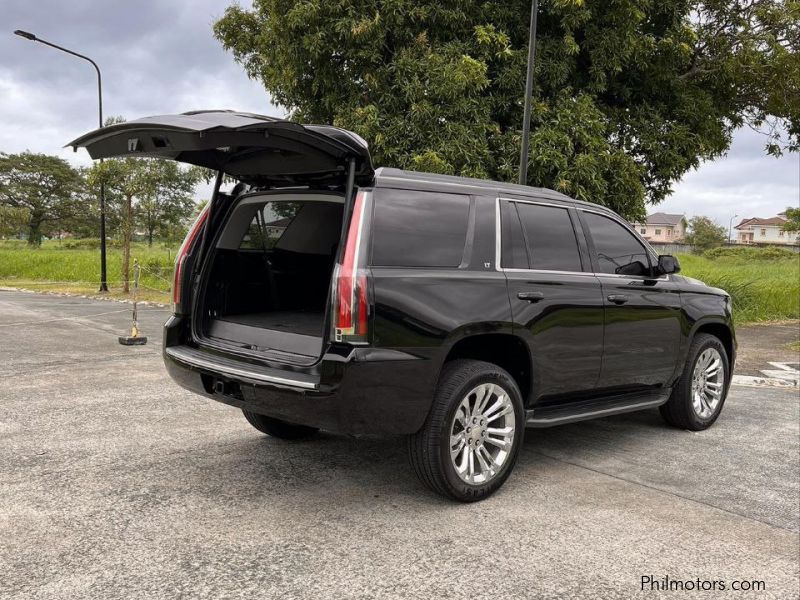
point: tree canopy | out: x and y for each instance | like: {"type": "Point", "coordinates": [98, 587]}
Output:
{"type": "Point", "coordinates": [45, 188]}
{"type": "Point", "coordinates": [13, 220]}
{"type": "Point", "coordinates": [171, 201]}
{"type": "Point", "coordinates": [792, 219]}
{"type": "Point", "coordinates": [628, 95]}
{"type": "Point", "coordinates": [704, 234]}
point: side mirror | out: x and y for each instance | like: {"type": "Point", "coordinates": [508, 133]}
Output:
{"type": "Point", "coordinates": [668, 264]}
{"type": "Point", "coordinates": [637, 267]}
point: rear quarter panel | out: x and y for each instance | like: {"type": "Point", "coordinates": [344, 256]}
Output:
{"type": "Point", "coordinates": [424, 311]}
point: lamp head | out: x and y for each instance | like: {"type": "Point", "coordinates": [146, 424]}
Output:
{"type": "Point", "coordinates": [26, 34]}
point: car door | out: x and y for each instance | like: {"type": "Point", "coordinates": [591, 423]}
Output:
{"type": "Point", "coordinates": [556, 301]}
{"type": "Point", "coordinates": [642, 309]}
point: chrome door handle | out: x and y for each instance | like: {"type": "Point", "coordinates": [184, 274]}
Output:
{"type": "Point", "coordinates": [618, 298]}
{"type": "Point", "coordinates": [531, 296]}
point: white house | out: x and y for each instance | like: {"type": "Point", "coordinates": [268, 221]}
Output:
{"type": "Point", "coordinates": [662, 227]}
{"type": "Point", "coordinates": [765, 231]}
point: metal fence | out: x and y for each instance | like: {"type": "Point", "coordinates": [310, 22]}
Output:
{"type": "Point", "coordinates": [662, 248]}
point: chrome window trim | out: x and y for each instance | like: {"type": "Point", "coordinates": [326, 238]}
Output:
{"type": "Point", "coordinates": [565, 206]}
{"type": "Point", "coordinates": [548, 271]}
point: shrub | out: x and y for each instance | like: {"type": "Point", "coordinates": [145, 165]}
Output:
{"type": "Point", "coordinates": [158, 266]}
{"type": "Point", "coordinates": [88, 243]}
{"type": "Point", "coordinates": [750, 253]}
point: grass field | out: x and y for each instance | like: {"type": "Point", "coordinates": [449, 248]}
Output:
{"type": "Point", "coordinates": [763, 289]}
{"type": "Point", "coordinates": [54, 267]}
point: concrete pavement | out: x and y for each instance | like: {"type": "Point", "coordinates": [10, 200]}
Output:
{"type": "Point", "coordinates": [115, 483]}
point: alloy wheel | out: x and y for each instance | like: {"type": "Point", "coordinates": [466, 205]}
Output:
{"type": "Point", "coordinates": [482, 433]}
{"type": "Point", "coordinates": [708, 380]}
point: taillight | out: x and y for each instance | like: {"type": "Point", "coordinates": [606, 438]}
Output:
{"type": "Point", "coordinates": [180, 258]}
{"type": "Point", "coordinates": [351, 308]}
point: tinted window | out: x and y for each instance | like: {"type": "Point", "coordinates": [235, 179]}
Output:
{"type": "Point", "coordinates": [550, 237]}
{"type": "Point", "coordinates": [308, 227]}
{"type": "Point", "coordinates": [513, 253]}
{"type": "Point", "coordinates": [269, 224]}
{"type": "Point", "coordinates": [618, 251]}
{"type": "Point", "coordinates": [419, 229]}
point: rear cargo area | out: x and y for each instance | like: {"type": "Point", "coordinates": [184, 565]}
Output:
{"type": "Point", "coordinates": [268, 283]}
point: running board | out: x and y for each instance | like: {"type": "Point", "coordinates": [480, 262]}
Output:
{"type": "Point", "coordinates": [560, 414]}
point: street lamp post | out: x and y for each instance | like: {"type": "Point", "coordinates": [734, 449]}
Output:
{"type": "Point", "coordinates": [29, 36]}
{"type": "Point", "coordinates": [730, 228]}
{"type": "Point", "coordinates": [526, 119]}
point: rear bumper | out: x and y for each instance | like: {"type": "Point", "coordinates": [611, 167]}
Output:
{"type": "Point", "coordinates": [368, 390]}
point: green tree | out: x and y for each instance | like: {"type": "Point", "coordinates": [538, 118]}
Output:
{"type": "Point", "coordinates": [47, 187]}
{"type": "Point", "coordinates": [629, 95]}
{"type": "Point", "coordinates": [171, 200]}
{"type": "Point", "coordinates": [13, 220]}
{"type": "Point", "coordinates": [793, 219]}
{"type": "Point", "coordinates": [126, 179]}
{"type": "Point", "coordinates": [704, 234]}
{"type": "Point", "coordinates": [158, 192]}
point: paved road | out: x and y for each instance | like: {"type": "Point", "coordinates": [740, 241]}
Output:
{"type": "Point", "coordinates": [115, 483]}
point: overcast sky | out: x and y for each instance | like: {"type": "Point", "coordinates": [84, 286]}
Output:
{"type": "Point", "coordinates": [159, 56]}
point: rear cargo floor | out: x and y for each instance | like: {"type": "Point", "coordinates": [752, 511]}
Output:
{"type": "Point", "coordinates": [302, 323]}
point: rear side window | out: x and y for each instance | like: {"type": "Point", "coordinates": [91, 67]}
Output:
{"type": "Point", "coordinates": [419, 229]}
{"type": "Point", "coordinates": [268, 225]}
{"type": "Point", "coordinates": [617, 249]}
{"type": "Point", "coordinates": [539, 237]}
{"type": "Point", "coordinates": [304, 227]}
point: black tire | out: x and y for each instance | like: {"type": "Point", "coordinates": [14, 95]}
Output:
{"type": "Point", "coordinates": [429, 448]}
{"type": "Point", "coordinates": [277, 428]}
{"type": "Point", "coordinates": [679, 411]}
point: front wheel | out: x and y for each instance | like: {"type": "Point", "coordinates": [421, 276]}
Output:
{"type": "Point", "coordinates": [699, 394]}
{"type": "Point", "coordinates": [470, 441]}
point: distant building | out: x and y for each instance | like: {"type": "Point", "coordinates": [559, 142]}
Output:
{"type": "Point", "coordinates": [662, 227]}
{"type": "Point", "coordinates": [765, 231]}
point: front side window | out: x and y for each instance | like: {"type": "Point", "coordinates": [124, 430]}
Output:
{"type": "Point", "coordinates": [538, 237]}
{"type": "Point", "coordinates": [658, 232]}
{"type": "Point", "coordinates": [419, 229]}
{"type": "Point", "coordinates": [617, 249]}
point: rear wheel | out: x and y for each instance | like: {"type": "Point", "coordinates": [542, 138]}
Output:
{"type": "Point", "coordinates": [699, 395]}
{"type": "Point", "coordinates": [277, 428]}
{"type": "Point", "coordinates": [470, 441]}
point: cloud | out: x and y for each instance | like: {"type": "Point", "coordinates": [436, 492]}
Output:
{"type": "Point", "coordinates": [159, 56]}
{"type": "Point", "coordinates": [746, 182]}
{"type": "Point", "coordinates": [156, 57]}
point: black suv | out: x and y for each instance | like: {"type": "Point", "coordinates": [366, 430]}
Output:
{"type": "Point", "coordinates": [320, 293]}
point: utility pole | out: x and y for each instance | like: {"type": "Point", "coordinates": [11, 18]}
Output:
{"type": "Point", "coordinates": [730, 228]}
{"type": "Point", "coordinates": [526, 122]}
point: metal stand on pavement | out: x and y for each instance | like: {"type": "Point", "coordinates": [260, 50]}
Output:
{"type": "Point", "coordinates": [134, 339]}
